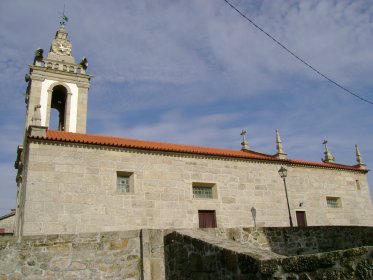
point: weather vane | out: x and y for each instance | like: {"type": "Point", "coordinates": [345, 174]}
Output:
{"type": "Point", "coordinates": [64, 17]}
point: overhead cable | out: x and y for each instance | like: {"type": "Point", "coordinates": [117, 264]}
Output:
{"type": "Point", "coordinates": [296, 56]}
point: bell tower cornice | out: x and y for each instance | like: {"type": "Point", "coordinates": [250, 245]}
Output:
{"type": "Point", "coordinates": [59, 71]}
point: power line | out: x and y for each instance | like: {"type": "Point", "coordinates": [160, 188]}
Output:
{"type": "Point", "coordinates": [296, 56]}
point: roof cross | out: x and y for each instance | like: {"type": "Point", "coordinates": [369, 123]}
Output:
{"type": "Point", "coordinates": [329, 158]}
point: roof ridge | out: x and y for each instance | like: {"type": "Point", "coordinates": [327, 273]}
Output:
{"type": "Point", "coordinates": [55, 135]}
{"type": "Point", "coordinates": [152, 142]}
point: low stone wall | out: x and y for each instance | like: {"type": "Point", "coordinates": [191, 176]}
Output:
{"type": "Point", "coordinates": [191, 258]}
{"type": "Point", "coordinates": [111, 255]}
{"type": "Point", "coordinates": [141, 254]}
{"type": "Point", "coordinates": [299, 241]}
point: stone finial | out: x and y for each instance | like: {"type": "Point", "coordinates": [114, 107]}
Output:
{"type": "Point", "coordinates": [36, 118]}
{"type": "Point", "coordinates": [359, 159]}
{"type": "Point", "coordinates": [38, 57]}
{"type": "Point", "coordinates": [280, 151]}
{"type": "Point", "coordinates": [84, 63]}
{"type": "Point", "coordinates": [329, 158]}
{"type": "Point", "coordinates": [39, 54]}
{"type": "Point", "coordinates": [244, 143]}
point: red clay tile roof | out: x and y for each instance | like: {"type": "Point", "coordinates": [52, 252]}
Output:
{"type": "Point", "coordinates": [62, 136]}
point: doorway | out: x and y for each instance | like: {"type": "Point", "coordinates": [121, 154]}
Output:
{"type": "Point", "coordinates": [207, 218]}
{"type": "Point", "coordinates": [301, 218]}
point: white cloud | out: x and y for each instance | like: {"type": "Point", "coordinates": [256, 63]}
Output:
{"type": "Point", "coordinates": [195, 72]}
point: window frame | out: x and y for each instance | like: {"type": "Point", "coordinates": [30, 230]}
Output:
{"type": "Point", "coordinates": [131, 182]}
{"type": "Point", "coordinates": [333, 202]}
{"type": "Point", "coordinates": [211, 186]}
{"type": "Point", "coordinates": [203, 214]}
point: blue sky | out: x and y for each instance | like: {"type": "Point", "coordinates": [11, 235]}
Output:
{"type": "Point", "coordinates": [194, 72]}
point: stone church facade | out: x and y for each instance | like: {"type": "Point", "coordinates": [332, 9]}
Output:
{"type": "Point", "coordinates": [72, 182]}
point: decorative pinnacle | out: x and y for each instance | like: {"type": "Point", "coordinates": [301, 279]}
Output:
{"type": "Point", "coordinates": [280, 150]}
{"type": "Point", "coordinates": [244, 143]}
{"type": "Point", "coordinates": [329, 158]}
{"type": "Point", "coordinates": [358, 157]}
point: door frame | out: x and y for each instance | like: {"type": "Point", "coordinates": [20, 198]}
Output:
{"type": "Point", "coordinates": [304, 216]}
{"type": "Point", "coordinates": [206, 211]}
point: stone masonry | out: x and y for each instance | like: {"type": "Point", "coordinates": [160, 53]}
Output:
{"type": "Point", "coordinates": [201, 254]}
{"type": "Point", "coordinates": [71, 188]}
{"type": "Point", "coordinates": [194, 255]}
{"type": "Point", "coordinates": [113, 255]}
{"type": "Point", "coordinates": [298, 241]}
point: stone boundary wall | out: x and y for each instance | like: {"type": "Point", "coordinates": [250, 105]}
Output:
{"type": "Point", "coordinates": [299, 241]}
{"type": "Point", "coordinates": [191, 258]}
{"type": "Point", "coordinates": [110, 255]}
{"type": "Point", "coordinates": [140, 254]}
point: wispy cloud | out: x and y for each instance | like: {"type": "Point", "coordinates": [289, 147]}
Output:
{"type": "Point", "coordinates": [195, 72]}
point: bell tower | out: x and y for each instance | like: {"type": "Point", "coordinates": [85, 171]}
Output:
{"type": "Point", "coordinates": [56, 86]}
{"type": "Point", "coordinates": [57, 91]}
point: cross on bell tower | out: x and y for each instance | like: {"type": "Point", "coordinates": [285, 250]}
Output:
{"type": "Point", "coordinates": [58, 85]}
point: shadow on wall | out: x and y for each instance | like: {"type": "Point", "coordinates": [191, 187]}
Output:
{"type": "Point", "coordinates": [253, 214]}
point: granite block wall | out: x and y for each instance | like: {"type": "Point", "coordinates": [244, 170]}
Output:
{"type": "Point", "coordinates": [114, 255]}
{"type": "Point", "coordinates": [157, 254]}
{"type": "Point", "coordinates": [71, 188]}
{"type": "Point", "coordinates": [191, 258]}
{"type": "Point", "coordinates": [299, 241]}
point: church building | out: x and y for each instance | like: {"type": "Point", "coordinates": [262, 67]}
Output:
{"type": "Point", "coordinates": [69, 181]}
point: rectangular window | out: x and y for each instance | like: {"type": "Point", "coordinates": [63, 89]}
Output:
{"type": "Point", "coordinates": [125, 182]}
{"type": "Point", "coordinates": [333, 202]}
{"type": "Point", "coordinates": [204, 190]}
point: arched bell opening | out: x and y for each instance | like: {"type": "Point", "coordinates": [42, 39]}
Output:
{"type": "Point", "coordinates": [58, 102]}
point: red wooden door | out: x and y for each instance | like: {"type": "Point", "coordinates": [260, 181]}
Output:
{"type": "Point", "coordinates": [301, 218]}
{"type": "Point", "coordinates": [207, 218]}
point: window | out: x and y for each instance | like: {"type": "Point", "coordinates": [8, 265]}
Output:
{"type": "Point", "coordinates": [333, 202]}
{"type": "Point", "coordinates": [125, 182]}
{"type": "Point", "coordinates": [358, 185]}
{"type": "Point", "coordinates": [204, 190]}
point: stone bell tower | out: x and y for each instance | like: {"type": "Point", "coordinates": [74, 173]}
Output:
{"type": "Point", "coordinates": [57, 85]}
